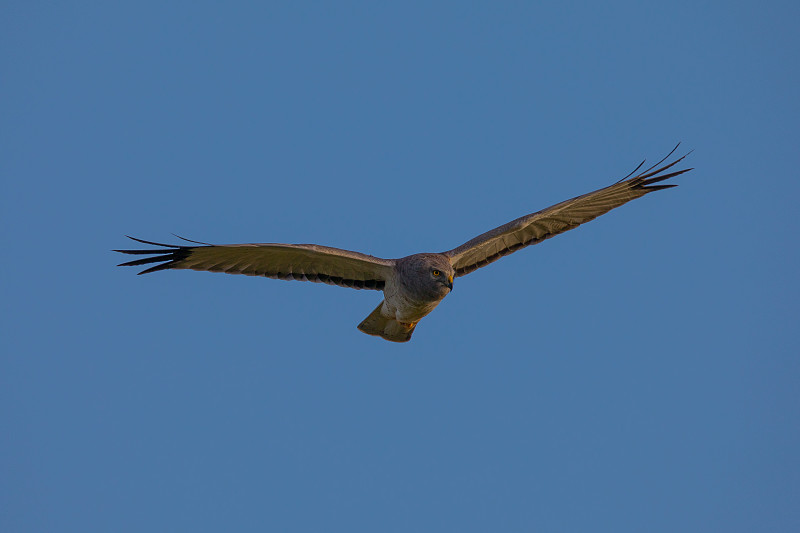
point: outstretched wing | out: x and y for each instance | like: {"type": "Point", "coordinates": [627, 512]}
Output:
{"type": "Point", "coordinates": [559, 218]}
{"type": "Point", "coordinates": [303, 262]}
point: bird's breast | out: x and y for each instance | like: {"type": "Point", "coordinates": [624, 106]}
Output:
{"type": "Point", "coordinates": [405, 307]}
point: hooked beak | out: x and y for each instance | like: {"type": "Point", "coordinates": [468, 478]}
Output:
{"type": "Point", "coordinates": [449, 283]}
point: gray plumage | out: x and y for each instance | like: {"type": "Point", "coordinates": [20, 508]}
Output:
{"type": "Point", "coordinates": [413, 286]}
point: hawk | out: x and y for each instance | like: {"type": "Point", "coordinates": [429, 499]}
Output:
{"type": "Point", "coordinates": [412, 286]}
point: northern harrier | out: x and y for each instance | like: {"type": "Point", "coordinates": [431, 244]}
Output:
{"type": "Point", "coordinates": [412, 286]}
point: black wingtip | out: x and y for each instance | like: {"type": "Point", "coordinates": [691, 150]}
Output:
{"type": "Point", "coordinates": [656, 173]}
{"type": "Point", "coordinates": [190, 240]}
{"type": "Point", "coordinates": [153, 243]}
{"type": "Point", "coordinates": [632, 172]}
{"type": "Point", "coordinates": [168, 255]}
{"type": "Point", "coordinates": [664, 159]}
{"type": "Point", "coordinates": [163, 266]}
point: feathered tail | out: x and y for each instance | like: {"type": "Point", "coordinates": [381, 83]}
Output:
{"type": "Point", "coordinates": [388, 328]}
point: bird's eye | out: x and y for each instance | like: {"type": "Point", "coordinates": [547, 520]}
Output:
{"type": "Point", "coordinates": [436, 272]}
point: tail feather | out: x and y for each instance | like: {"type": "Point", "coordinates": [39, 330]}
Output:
{"type": "Point", "coordinates": [386, 327]}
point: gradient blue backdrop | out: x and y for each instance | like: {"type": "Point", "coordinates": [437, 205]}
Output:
{"type": "Point", "coordinates": [638, 374]}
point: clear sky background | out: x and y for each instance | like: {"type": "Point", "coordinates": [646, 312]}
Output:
{"type": "Point", "coordinates": [640, 373]}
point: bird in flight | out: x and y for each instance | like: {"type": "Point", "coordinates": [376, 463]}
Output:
{"type": "Point", "coordinates": [412, 286]}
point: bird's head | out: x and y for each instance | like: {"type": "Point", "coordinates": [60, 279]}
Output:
{"type": "Point", "coordinates": [442, 276]}
{"type": "Point", "coordinates": [427, 276]}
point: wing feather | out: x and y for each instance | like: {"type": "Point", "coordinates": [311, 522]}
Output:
{"type": "Point", "coordinates": [536, 227]}
{"type": "Point", "coordinates": [303, 262]}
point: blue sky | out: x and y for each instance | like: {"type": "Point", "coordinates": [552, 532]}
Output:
{"type": "Point", "coordinates": [637, 374]}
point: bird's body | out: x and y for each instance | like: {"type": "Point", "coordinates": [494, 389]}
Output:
{"type": "Point", "coordinates": [412, 291]}
{"type": "Point", "coordinates": [414, 285]}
